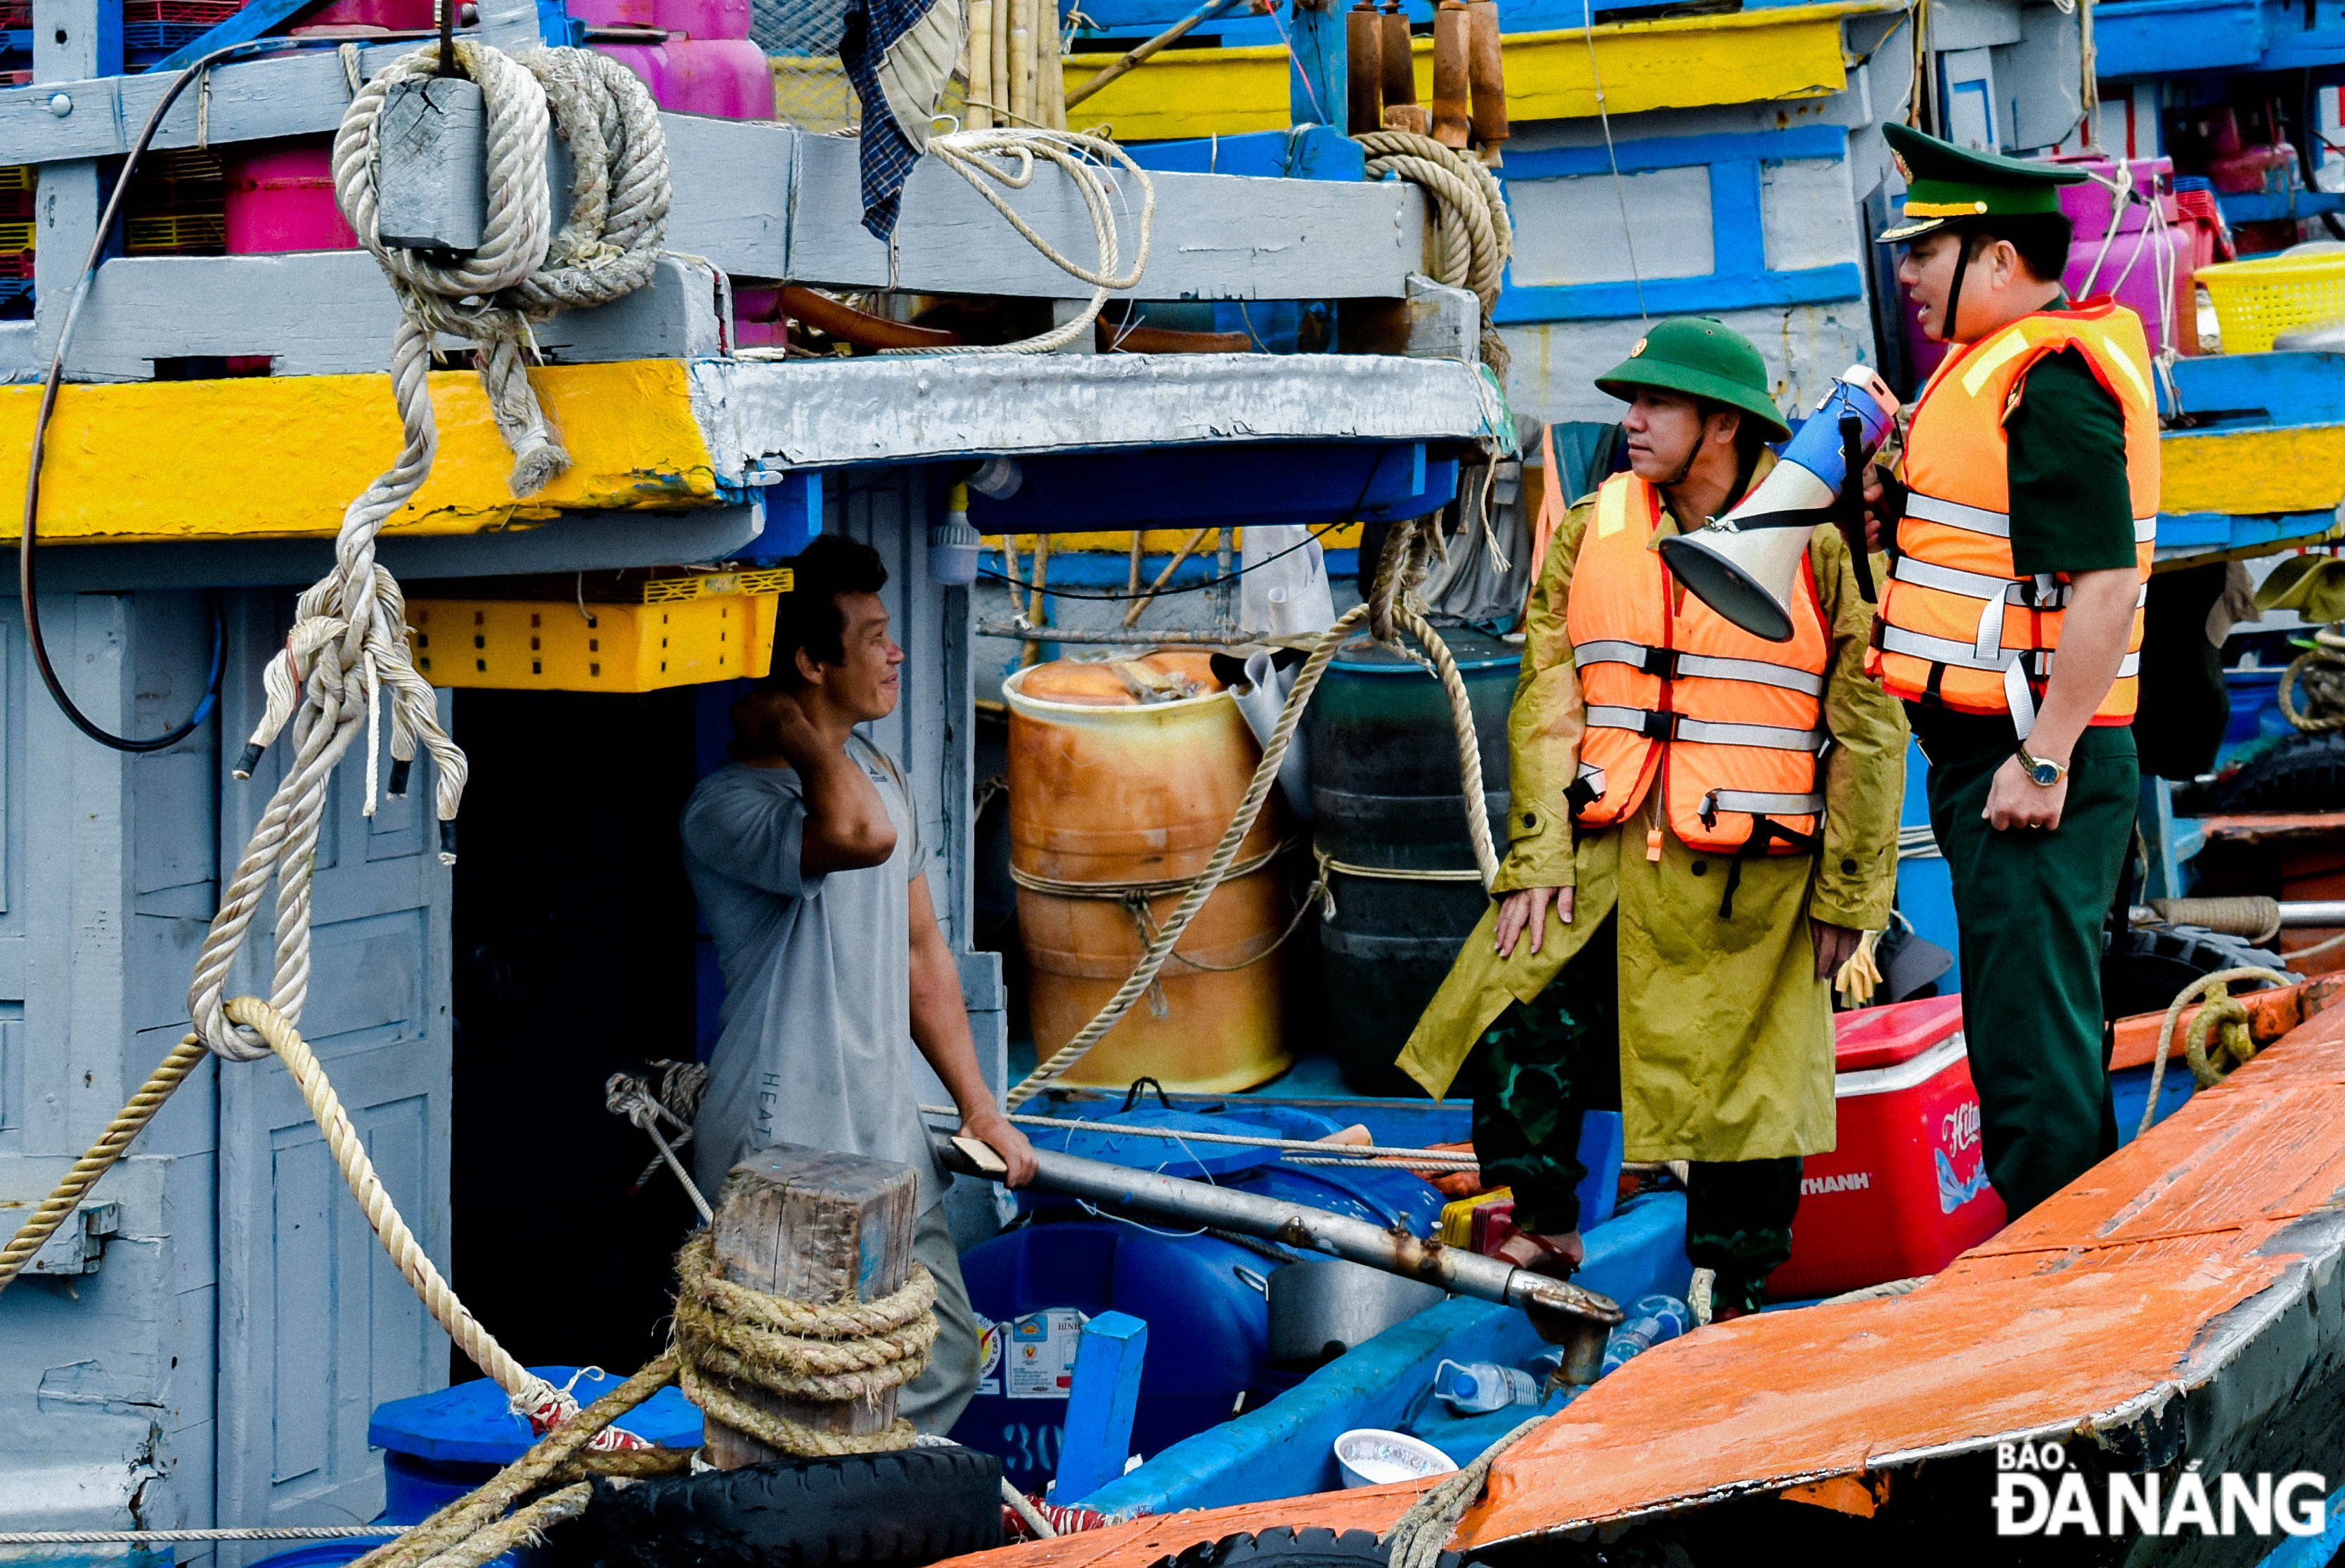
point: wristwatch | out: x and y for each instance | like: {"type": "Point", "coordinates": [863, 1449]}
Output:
{"type": "Point", "coordinates": [2040, 771]}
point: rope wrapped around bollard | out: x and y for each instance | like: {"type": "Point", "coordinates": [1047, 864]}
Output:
{"type": "Point", "coordinates": [829, 1352]}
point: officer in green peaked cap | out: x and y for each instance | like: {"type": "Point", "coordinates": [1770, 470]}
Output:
{"type": "Point", "coordinates": [2028, 478]}
{"type": "Point", "coordinates": [1946, 183]}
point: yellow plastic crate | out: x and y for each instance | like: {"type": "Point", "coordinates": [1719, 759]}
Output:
{"type": "Point", "coordinates": [15, 236]}
{"type": "Point", "coordinates": [16, 177]}
{"type": "Point", "coordinates": [176, 231]}
{"type": "Point", "coordinates": [1456, 1224]}
{"type": "Point", "coordinates": [2256, 301]}
{"type": "Point", "coordinates": [548, 645]}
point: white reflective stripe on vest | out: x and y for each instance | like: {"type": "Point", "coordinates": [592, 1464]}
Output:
{"type": "Point", "coordinates": [1703, 732]}
{"type": "Point", "coordinates": [2145, 531]}
{"type": "Point", "coordinates": [1954, 514]}
{"type": "Point", "coordinates": [1702, 666]}
{"type": "Point", "coordinates": [1759, 803]}
{"type": "Point", "coordinates": [1944, 651]}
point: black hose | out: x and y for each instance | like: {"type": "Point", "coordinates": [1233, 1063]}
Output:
{"type": "Point", "coordinates": [26, 537]}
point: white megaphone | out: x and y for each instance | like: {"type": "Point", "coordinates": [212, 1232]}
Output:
{"type": "Point", "coordinates": [1745, 564]}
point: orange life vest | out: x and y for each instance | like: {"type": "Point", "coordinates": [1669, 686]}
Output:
{"type": "Point", "coordinates": [1958, 625]}
{"type": "Point", "coordinates": [1730, 723]}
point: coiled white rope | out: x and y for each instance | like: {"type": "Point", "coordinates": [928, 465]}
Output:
{"type": "Point", "coordinates": [1004, 158]}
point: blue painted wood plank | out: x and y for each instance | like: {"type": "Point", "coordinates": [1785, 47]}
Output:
{"type": "Point", "coordinates": [1316, 65]}
{"type": "Point", "coordinates": [1675, 296]}
{"type": "Point", "coordinates": [257, 18]}
{"type": "Point", "coordinates": [1679, 152]}
{"type": "Point", "coordinates": [2175, 37]}
{"type": "Point", "coordinates": [1303, 152]}
{"type": "Point", "coordinates": [1102, 1397]}
{"type": "Point", "coordinates": [1307, 483]}
{"type": "Point", "coordinates": [1738, 238]}
{"type": "Point", "coordinates": [2258, 207]}
{"type": "Point", "coordinates": [793, 512]}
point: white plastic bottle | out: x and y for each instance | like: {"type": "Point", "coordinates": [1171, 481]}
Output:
{"type": "Point", "coordinates": [1473, 1386]}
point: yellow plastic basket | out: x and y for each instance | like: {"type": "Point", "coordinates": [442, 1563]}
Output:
{"type": "Point", "coordinates": [2256, 301]}
{"type": "Point", "coordinates": [537, 645]}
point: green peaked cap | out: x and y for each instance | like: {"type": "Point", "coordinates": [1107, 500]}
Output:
{"type": "Point", "coordinates": [1945, 183]}
{"type": "Point", "coordinates": [1701, 359]}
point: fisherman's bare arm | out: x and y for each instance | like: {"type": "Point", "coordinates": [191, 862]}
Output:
{"type": "Point", "coordinates": [846, 825]}
{"type": "Point", "coordinates": [940, 1029]}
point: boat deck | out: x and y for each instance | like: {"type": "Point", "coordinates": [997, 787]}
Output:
{"type": "Point", "coordinates": [2111, 1310]}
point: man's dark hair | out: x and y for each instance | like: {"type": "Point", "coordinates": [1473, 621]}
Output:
{"type": "Point", "coordinates": [810, 616]}
{"type": "Point", "coordinates": [2040, 238]}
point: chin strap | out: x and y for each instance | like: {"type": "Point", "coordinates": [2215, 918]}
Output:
{"type": "Point", "coordinates": [1954, 294]}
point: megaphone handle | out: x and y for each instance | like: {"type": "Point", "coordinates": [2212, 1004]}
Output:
{"type": "Point", "coordinates": [1851, 502]}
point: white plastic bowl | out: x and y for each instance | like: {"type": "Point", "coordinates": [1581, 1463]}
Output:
{"type": "Point", "coordinates": [1369, 1456]}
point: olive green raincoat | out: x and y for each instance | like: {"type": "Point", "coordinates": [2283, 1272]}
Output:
{"type": "Point", "coordinates": [1725, 1031]}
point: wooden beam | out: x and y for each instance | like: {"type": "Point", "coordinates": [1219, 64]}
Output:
{"type": "Point", "coordinates": [279, 456]}
{"type": "Point", "coordinates": [1102, 1397]}
{"type": "Point", "coordinates": [820, 1228]}
{"type": "Point", "coordinates": [822, 413]}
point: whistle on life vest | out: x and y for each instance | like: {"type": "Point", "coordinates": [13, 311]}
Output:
{"type": "Point", "coordinates": [1746, 564]}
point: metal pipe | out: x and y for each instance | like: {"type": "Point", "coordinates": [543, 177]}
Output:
{"type": "Point", "coordinates": [1563, 1314]}
{"type": "Point", "coordinates": [2314, 913]}
{"type": "Point", "coordinates": [1145, 636]}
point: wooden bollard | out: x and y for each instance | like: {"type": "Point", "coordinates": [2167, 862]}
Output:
{"type": "Point", "coordinates": [1363, 67]}
{"type": "Point", "coordinates": [1452, 42]}
{"type": "Point", "coordinates": [816, 1226]}
{"type": "Point", "coordinates": [1399, 59]}
{"type": "Point", "coordinates": [1486, 71]}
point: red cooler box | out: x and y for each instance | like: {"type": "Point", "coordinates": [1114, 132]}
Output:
{"type": "Point", "coordinates": [1906, 1190]}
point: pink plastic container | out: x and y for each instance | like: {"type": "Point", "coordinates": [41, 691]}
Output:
{"type": "Point", "coordinates": [280, 197]}
{"type": "Point", "coordinates": [2087, 204]}
{"type": "Point", "coordinates": [391, 16]}
{"type": "Point", "coordinates": [2137, 292]}
{"type": "Point", "coordinates": [612, 13]}
{"type": "Point", "coordinates": [702, 19]}
{"type": "Point", "coordinates": [757, 320]}
{"type": "Point", "coordinates": [725, 78]}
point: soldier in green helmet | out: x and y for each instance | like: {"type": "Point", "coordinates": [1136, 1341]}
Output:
{"type": "Point", "coordinates": [1689, 859]}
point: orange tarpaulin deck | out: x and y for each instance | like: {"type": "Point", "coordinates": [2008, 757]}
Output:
{"type": "Point", "coordinates": [2104, 1305]}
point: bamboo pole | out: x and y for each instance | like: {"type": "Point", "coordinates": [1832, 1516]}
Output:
{"type": "Point", "coordinates": [979, 114]}
{"type": "Point", "coordinates": [1141, 54]}
{"type": "Point", "coordinates": [1131, 616]}
{"type": "Point", "coordinates": [998, 40]}
{"type": "Point", "coordinates": [1037, 602]}
{"type": "Point", "coordinates": [1050, 91]}
{"type": "Point", "coordinates": [1021, 62]}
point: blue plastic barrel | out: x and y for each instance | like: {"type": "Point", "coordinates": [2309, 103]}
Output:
{"type": "Point", "coordinates": [437, 1447]}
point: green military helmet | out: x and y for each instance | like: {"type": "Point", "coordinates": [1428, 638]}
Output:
{"type": "Point", "coordinates": [1701, 359]}
{"type": "Point", "coordinates": [1947, 183]}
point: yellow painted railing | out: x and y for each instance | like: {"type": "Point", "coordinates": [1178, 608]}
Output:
{"type": "Point", "coordinates": [1672, 63]}
{"type": "Point", "coordinates": [280, 456]}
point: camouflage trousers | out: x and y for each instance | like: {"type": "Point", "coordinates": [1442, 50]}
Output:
{"type": "Point", "coordinates": [1543, 1064]}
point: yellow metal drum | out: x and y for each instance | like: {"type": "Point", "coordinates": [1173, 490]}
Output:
{"type": "Point", "coordinates": [1122, 777]}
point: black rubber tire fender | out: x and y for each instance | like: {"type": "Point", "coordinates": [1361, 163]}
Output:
{"type": "Point", "coordinates": [898, 1510]}
{"type": "Point", "coordinates": [2306, 773]}
{"type": "Point", "coordinates": [2145, 968]}
{"type": "Point", "coordinates": [1313, 1547]}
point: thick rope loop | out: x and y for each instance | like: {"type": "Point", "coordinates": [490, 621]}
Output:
{"type": "Point", "coordinates": [2223, 1010]}
{"type": "Point", "coordinates": [729, 1337]}
{"type": "Point", "coordinates": [1473, 237]}
{"type": "Point", "coordinates": [1003, 157]}
{"type": "Point", "coordinates": [2319, 673]}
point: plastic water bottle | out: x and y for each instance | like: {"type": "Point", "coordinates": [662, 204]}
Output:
{"type": "Point", "coordinates": [1651, 1321]}
{"type": "Point", "coordinates": [1473, 1386]}
{"type": "Point", "coordinates": [952, 544]}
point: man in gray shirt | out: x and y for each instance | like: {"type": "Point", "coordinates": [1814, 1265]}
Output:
{"type": "Point", "coordinates": [806, 857]}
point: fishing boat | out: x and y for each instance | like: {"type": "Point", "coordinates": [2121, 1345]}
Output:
{"type": "Point", "coordinates": [210, 1342]}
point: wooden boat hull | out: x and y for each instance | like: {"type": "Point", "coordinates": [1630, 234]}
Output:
{"type": "Point", "coordinates": [2177, 1312]}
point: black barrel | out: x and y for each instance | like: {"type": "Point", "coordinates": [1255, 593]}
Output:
{"type": "Point", "coordinates": [1384, 795]}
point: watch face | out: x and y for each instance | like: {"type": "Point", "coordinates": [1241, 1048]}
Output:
{"type": "Point", "coordinates": [2044, 774]}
